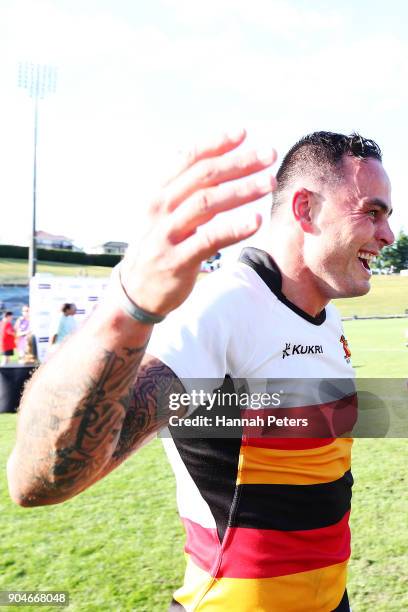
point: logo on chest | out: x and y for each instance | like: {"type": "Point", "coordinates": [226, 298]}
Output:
{"type": "Point", "coordinates": [347, 352]}
{"type": "Point", "coordinates": [301, 349]}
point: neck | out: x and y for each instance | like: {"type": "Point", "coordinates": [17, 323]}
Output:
{"type": "Point", "coordinates": [299, 284]}
{"type": "Point", "coordinates": [298, 288]}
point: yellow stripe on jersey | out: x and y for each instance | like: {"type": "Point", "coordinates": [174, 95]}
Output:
{"type": "Point", "coordinates": [196, 584]}
{"type": "Point", "coordinates": [319, 590]}
{"type": "Point", "coordinates": [295, 467]}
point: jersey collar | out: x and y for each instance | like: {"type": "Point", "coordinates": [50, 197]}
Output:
{"type": "Point", "coordinates": [268, 271]}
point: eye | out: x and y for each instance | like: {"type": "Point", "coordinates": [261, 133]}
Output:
{"type": "Point", "coordinates": [373, 213]}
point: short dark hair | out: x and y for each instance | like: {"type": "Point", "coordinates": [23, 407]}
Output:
{"type": "Point", "coordinates": [66, 307]}
{"type": "Point", "coordinates": [8, 313]}
{"type": "Point", "coordinates": [320, 154]}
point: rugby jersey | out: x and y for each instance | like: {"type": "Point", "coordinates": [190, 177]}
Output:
{"type": "Point", "coordinates": [266, 518]}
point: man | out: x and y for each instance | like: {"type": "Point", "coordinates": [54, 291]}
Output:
{"type": "Point", "coordinates": [66, 323]}
{"type": "Point", "coordinates": [266, 519]}
{"type": "Point", "coordinates": [7, 338]}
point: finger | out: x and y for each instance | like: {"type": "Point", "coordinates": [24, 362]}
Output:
{"type": "Point", "coordinates": [219, 145]}
{"type": "Point", "coordinates": [212, 172]}
{"type": "Point", "coordinates": [207, 242]}
{"type": "Point", "coordinates": [207, 203]}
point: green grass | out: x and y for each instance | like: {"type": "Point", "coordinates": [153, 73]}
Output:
{"type": "Point", "coordinates": [16, 270]}
{"type": "Point", "coordinates": [378, 347]}
{"type": "Point", "coordinates": [378, 577]}
{"type": "Point", "coordinates": [118, 546]}
{"type": "Point", "coordinates": [388, 295]}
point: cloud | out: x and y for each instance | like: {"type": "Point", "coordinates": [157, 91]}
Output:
{"type": "Point", "coordinates": [276, 16]}
{"type": "Point", "coordinates": [132, 91]}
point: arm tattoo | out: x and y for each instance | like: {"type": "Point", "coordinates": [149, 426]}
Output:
{"type": "Point", "coordinates": [148, 410]}
{"type": "Point", "coordinates": [87, 438]}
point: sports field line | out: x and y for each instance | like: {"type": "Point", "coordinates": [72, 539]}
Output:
{"type": "Point", "coordinates": [383, 350]}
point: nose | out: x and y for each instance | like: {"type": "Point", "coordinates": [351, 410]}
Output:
{"type": "Point", "coordinates": [384, 233]}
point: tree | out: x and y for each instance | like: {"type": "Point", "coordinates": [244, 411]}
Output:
{"type": "Point", "coordinates": [396, 255]}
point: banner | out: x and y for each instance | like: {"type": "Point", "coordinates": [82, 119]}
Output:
{"type": "Point", "coordinates": [47, 296]}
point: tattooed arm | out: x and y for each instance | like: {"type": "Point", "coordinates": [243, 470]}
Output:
{"type": "Point", "coordinates": [72, 410]}
{"type": "Point", "coordinates": [60, 451]}
{"type": "Point", "coordinates": [81, 414]}
{"type": "Point", "coordinates": [148, 410]}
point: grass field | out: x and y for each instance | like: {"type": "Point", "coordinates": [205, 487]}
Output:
{"type": "Point", "coordinates": [118, 546]}
{"type": "Point", "coordinates": [388, 295]}
{"type": "Point", "coordinates": [378, 347]}
{"type": "Point", "coordinates": [16, 270]}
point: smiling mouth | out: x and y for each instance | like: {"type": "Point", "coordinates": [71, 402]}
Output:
{"type": "Point", "coordinates": [365, 259]}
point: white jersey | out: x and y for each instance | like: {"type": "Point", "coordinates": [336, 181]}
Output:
{"type": "Point", "coordinates": [266, 518]}
{"type": "Point", "coordinates": [238, 323]}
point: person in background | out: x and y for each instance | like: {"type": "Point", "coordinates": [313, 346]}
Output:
{"type": "Point", "coordinates": [30, 354]}
{"type": "Point", "coordinates": [7, 338]}
{"type": "Point", "coordinates": [67, 324]}
{"type": "Point", "coordinates": [22, 330]}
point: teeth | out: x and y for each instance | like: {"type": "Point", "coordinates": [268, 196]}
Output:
{"type": "Point", "coordinates": [365, 255]}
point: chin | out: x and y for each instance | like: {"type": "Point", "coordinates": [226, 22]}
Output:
{"type": "Point", "coordinates": [337, 290]}
{"type": "Point", "coordinates": [357, 290]}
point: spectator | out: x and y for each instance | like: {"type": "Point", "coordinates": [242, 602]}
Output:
{"type": "Point", "coordinates": [67, 324]}
{"type": "Point", "coordinates": [22, 330]}
{"type": "Point", "coordinates": [30, 355]}
{"type": "Point", "coordinates": [7, 338]}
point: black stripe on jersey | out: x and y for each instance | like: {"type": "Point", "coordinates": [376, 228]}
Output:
{"type": "Point", "coordinates": [213, 465]}
{"type": "Point", "coordinates": [344, 605]}
{"type": "Point", "coordinates": [293, 507]}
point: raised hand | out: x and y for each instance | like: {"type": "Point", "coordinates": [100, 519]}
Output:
{"type": "Point", "coordinates": [81, 415]}
{"type": "Point", "coordinates": [159, 273]}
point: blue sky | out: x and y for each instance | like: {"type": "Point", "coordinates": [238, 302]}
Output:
{"type": "Point", "coordinates": [138, 81]}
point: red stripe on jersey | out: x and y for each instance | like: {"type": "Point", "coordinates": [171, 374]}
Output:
{"type": "Point", "coordinates": [326, 420]}
{"type": "Point", "coordinates": [202, 544]}
{"type": "Point", "coordinates": [288, 443]}
{"type": "Point", "coordinates": [266, 553]}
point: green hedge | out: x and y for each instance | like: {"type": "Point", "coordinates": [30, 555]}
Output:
{"type": "Point", "coordinates": [10, 251]}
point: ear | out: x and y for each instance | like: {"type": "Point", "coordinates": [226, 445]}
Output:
{"type": "Point", "coordinates": [302, 209]}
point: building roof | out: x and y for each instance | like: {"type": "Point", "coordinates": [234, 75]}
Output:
{"type": "Point", "coordinates": [113, 243]}
{"type": "Point", "coordinates": [47, 236]}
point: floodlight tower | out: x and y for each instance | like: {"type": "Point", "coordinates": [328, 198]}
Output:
{"type": "Point", "coordinates": [39, 80]}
